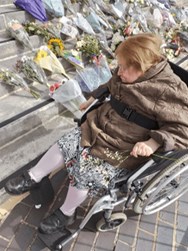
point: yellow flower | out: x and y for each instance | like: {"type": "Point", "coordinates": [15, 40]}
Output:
{"type": "Point", "coordinates": [56, 46]}
{"type": "Point", "coordinates": [40, 54]}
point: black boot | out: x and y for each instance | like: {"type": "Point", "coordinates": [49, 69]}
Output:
{"type": "Point", "coordinates": [20, 184]}
{"type": "Point", "coordinates": [56, 222]}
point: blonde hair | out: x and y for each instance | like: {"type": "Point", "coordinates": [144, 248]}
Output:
{"type": "Point", "coordinates": [141, 51]}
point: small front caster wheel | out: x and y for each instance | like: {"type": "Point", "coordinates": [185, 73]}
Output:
{"type": "Point", "coordinates": [116, 220]}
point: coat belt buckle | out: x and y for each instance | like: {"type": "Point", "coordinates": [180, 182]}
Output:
{"type": "Point", "coordinates": [127, 113]}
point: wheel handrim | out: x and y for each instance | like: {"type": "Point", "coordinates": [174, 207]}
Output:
{"type": "Point", "coordinates": [159, 200]}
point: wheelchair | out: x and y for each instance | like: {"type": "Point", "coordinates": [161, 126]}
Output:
{"type": "Point", "coordinates": [145, 190]}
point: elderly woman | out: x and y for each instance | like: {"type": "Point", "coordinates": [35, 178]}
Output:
{"type": "Point", "coordinates": [147, 111]}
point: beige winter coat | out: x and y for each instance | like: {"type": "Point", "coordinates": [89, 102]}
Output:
{"type": "Point", "coordinates": [159, 95]}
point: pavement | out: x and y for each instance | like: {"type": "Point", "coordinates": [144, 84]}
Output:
{"type": "Point", "coordinates": [166, 230]}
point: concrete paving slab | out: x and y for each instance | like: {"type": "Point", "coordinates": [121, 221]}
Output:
{"type": "Point", "coordinates": [134, 235]}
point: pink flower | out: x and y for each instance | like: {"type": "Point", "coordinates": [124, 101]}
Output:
{"type": "Point", "coordinates": [54, 87]}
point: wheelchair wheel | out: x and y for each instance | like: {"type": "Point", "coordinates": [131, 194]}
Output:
{"type": "Point", "coordinates": [164, 188]}
{"type": "Point", "coordinates": [116, 220]}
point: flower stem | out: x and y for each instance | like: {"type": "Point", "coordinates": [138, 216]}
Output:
{"type": "Point", "coordinates": [34, 94]}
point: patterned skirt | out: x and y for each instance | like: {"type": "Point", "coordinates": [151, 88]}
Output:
{"type": "Point", "coordinates": [86, 171]}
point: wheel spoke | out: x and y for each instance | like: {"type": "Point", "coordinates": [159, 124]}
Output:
{"type": "Point", "coordinates": [164, 188]}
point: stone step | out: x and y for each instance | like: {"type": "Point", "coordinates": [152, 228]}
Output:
{"type": "Point", "coordinates": [6, 2]}
{"type": "Point", "coordinates": [16, 14]}
{"type": "Point", "coordinates": [21, 151]}
{"type": "Point", "coordinates": [20, 101]}
{"type": "Point", "coordinates": [14, 126]}
{"type": "Point", "coordinates": [7, 8]}
{"type": "Point", "coordinates": [4, 36]}
{"type": "Point", "coordinates": [13, 49]}
{"type": "Point", "coordinates": [33, 143]}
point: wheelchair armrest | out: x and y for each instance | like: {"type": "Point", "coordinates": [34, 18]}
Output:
{"type": "Point", "coordinates": [160, 160]}
{"type": "Point", "coordinates": [182, 73]}
{"type": "Point", "coordinates": [159, 157]}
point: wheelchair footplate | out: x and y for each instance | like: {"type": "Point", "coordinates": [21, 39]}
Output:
{"type": "Point", "coordinates": [66, 236]}
{"type": "Point", "coordinates": [52, 240]}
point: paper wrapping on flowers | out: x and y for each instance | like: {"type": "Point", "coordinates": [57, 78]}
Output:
{"type": "Point", "coordinates": [17, 31]}
{"type": "Point", "coordinates": [34, 7]}
{"type": "Point", "coordinates": [70, 95]}
{"type": "Point", "coordinates": [74, 57]}
{"type": "Point", "coordinates": [48, 61]}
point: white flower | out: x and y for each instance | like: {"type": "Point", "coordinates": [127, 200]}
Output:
{"type": "Point", "coordinates": [80, 43]}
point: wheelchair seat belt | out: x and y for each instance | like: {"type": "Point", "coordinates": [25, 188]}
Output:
{"type": "Point", "coordinates": [131, 115]}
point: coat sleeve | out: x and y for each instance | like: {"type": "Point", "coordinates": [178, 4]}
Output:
{"type": "Point", "coordinates": [101, 91]}
{"type": "Point", "coordinates": [171, 111]}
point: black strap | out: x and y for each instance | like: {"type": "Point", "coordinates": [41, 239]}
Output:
{"type": "Point", "coordinates": [126, 112]}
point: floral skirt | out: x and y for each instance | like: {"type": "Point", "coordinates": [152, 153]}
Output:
{"type": "Point", "coordinates": [86, 171]}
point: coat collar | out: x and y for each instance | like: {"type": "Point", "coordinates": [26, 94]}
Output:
{"type": "Point", "coordinates": [154, 70]}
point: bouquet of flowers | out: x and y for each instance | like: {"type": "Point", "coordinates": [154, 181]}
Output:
{"type": "Point", "coordinates": [89, 45]}
{"type": "Point", "coordinates": [11, 78]}
{"type": "Point", "coordinates": [48, 60]}
{"type": "Point", "coordinates": [31, 70]}
{"type": "Point", "coordinates": [47, 30]}
{"type": "Point", "coordinates": [116, 40]}
{"type": "Point", "coordinates": [74, 57]}
{"type": "Point", "coordinates": [18, 32]}
{"type": "Point", "coordinates": [70, 95]}
{"type": "Point", "coordinates": [53, 29]}
{"type": "Point", "coordinates": [56, 46]}
{"type": "Point", "coordinates": [33, 28]}
{"type": "Point", "coordinates": [94, 74]}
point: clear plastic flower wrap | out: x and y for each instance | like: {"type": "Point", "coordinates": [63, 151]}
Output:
{"type": "Point", "coordinates": [70, 95]}
{"type": "Point", "coordinates": [94, 74]}
{"type": "Point", "coordinates": [11, 78]}
{"type": "Point", "coordinates": [69, 6]}
{"type": "Point", "coordinates": [32, 70]}
{"type": "Point", "coordinates": [119, 8]}
{"type": "Point", "coordinates": [88, 78]}
{"type": "Point", "coordinates": [83, 24]}
{"type": "Point", "coordinates": [69, 30]}
{"type": "Point", "coordinates": [102, 68]}
{"type": "Point", "coordinates": [17, 31]}
{"type": "Point", "coordinates": [54, 7]}
{"type": "Point", "coordinates": [93, 19]}
{"type": "Point", "coordinates": [53, 28]}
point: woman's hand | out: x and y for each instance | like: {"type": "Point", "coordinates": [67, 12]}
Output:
{"type": "Point", "coordinates": [86, 104]}
{"type": "Point", "coordinates": [145, 148]}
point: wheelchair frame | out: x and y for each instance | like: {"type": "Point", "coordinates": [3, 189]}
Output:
{"type": "Point", "coordinates": [167, 182]}
{"type": "Point", "coordinates": [135, 193]}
